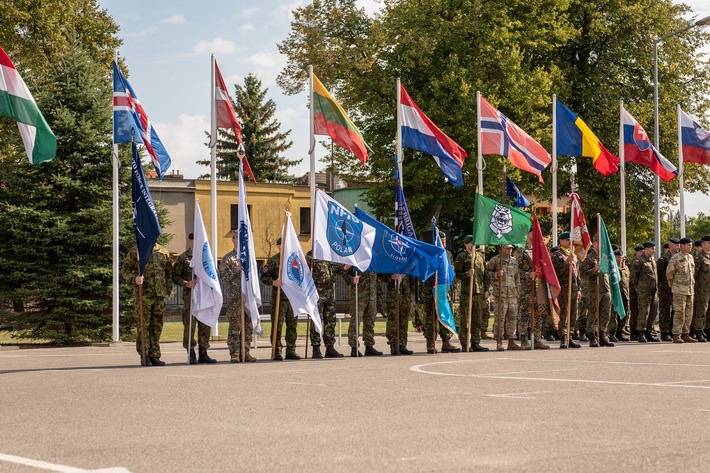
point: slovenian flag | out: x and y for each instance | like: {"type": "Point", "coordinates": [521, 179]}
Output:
{"type": "Point", "coordinates": [17, 102]}
{"type": "Point", "coordinates": [694, 139]}
{"type": "Point", "coordinates": [574, 138]}
{"type": "Point", "coordinates": [638, 148]}
{"type": "Point", "coordinates": [420, 133]}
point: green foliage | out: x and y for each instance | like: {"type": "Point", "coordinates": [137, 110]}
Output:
{"type": "Point", "coordinates": [517, 53]}
{"type": "Point", "coordinates": [264, 141]}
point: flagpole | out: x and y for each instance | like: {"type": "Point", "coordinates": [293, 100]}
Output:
{"type": "Point", "coordinates": [571, 265]}
{"type": "Point", "coordinates": [189, 329]}
{"type": "Point", "coordinates": [213, 174]}
{"type": "Point", "coordinates": [500, 277]}
{"type": "Point", "coordinates": [312, 181]}
{"type": "Point", "coordinates": [622, 174]}
{"type": "Point", "coordinates": [398, 165]}
{"type": "Point", "coordinates": [479, 160]}
{"type": "Point", "coordinates": [357, 317]}
{"type": "Point", "coordinates": [554, 170]}
{"type": "Point", "coordinates": [115, 233]}
{"type": "Point", "coordinates": [599, 246]}
{"type": "Point", "coordinates": [533, 297]}
{"type": "Point", "coordinates": [681, 176]}
{"type": "Point", "coordinates": [242, 348]}
{"type": "Point", "coordinates": [471, 278]}
{"type": "Point", "coordinates": [275, 322]}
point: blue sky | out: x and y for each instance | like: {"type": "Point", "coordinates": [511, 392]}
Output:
{"type": "Point", "coordinates": [167, 46]}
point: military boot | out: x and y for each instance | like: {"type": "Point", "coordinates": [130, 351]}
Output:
{"type": "Point", "coordinates": [293, 356]}
{"type": "Point", "coordinates": [485, 336]}
{"type": "Point", "coordinates": [700, 336]}
{"type": "Point", "coordinates": [635, 335]}
{"type": "Point", "coordinates": [331, 352]}
{"type": "Point", "coordinates": [156, 361]}
{"type": "Point", "coordinates": [234, 358]}
{"type": "Point", "coordinates": [620, 335]}
{"type": "Point", "coordinates": [686, 338]}
{"type": "Point", "coordinates": [583, 337]}
{"type": "Point", "coordinates": [393, 350]}
{"type": "Point", "coordinates": [478, 347]}
{"type": "Point", "coordinates": [651, 337]}
{"type": "Point", "coordinates": [499, 345]}
{"type": "Point", "coordinates": [204, 357]}
{"type": "Point", "coordinates": [447, 347]}
{"type": "Point", "coordinates": [355, 353]}
{"type": "Point", "coordinates": [193, 357]}
{"type": "Point", "coordinates": [405, 351]}
{"type": "Point", "coordinates": [593, 340]}
{"type": "Point", "coordinates": [640, 337]}
{"type": "Point", "coordinates": [666, 337]}
{"type": "Point", "coordinates": [372, 351]}
{"type": "Point", "coordinates": [430, 346]}
{"type": "Point", "coordinates": [248, 358]}
{"type": "Point", "coordinates": [512, 346]}
{"type": "Point", "coordinates": [603, 341]}
{"type": "Point", "coordinates": [317, 354]}
{"type": "Point", "coordinates": [677, 338]}
{"type": "Point", "coordinates": [540, 345]}
{"type": "Point", "coordinates": [524, 342]}
{"type": "Point", "coordinates": [573, 344]}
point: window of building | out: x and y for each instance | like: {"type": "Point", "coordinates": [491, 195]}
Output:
{"type": "Point", "coordinates": [234, 215]}
{"type": "Point", "coordinates": [305, 220]}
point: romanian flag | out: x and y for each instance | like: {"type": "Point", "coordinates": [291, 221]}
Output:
{"type": "Point", "coordinates": [574, 138]}
{"type": "Point", "coordinates": [330, 119]}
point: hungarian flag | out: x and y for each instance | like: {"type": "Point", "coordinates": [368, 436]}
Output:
{"type": "Point", "coordinates": [330, 119]}
{"type": "Point", "coordinates": [581, 239]}
{"type": "Point", "coordinates": [542, 265]}
{"type": "Point", "coordinates": [227, 117]}
{"type": "Point", "coordinates": [498, 224]}
{"type": "Point", "coordinates": [17, 102]}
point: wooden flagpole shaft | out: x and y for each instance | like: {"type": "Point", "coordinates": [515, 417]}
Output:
{"type": "Point", "coordinates": [533, 295]}
{"type": "Point", "coordinates": [435, 306]}
{"type": "Point", "coordinates": [189, 321]}
{"type": "Point", "coordinates": [397, 285]}
{"type": "Point", "coordinates": [275, 326]}
{"type": "Point", "coordinates": [144, 362]}
{"type": "Point", "coordinates": [242, 347]}
{"type": "Point", "coordinates": [598, 282]}
{"type": "Point", "coordinates": [357, 319]}
{"type": "Point", "coordinates": [569, 294]}
{"type": "Point", "coordinates": [499, 314]}
{"type": "Point", "coordinates": [308, 335]}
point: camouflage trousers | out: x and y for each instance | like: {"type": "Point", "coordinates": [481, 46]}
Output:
{"type": "Point", "coordinates": [541, 312]}
{"type": "Point", "coordinates": [665, 311]}
{"type": "Point", "coordinates": [326, 308]}
{"type": "Point", "coordinates": [367, 311]}
{"type": "Point", "coordinates": [700, 310]}
{"type": "Point", "coordinates": [203, 330]}
{"type": "Point", "coordinates": [476, 317]}
{"type": "Point", "coordinates": [584, 308]}
{"type": "Point", "coordinates": [633, 309]}
{"type": "Point", "coordinates": [505, 310]}
{"type": "Point", "coordinates": [647, 308]}
{"type": "Point", "coordinates": [234, 330]}
{"type": "Point", "coordinates": [604, 313]}
{"type": "Point", "coordinates": [562, 299]}
{"type": "Point", "coordinates": [683, 316]}
{"type": "Point", "coordinates": [286, 313]}
{"type": "Point", "coordinates": [393, 320]}
{"type": "Point", "coordinates": [428, 301]}
{"type": "Point", "coordinates": [153, 312]}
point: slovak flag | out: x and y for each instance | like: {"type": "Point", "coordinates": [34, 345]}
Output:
{"type": "Point", "coordinates": [130, 122]}
{"type": "Point", "coordinates": [694, 140]}
{"type": "Point", "coordinates": [638, 148]}
{"type": "Point", "coordinates": [499, 135]}
{"type": "Point", "coordinates": [420, 133]}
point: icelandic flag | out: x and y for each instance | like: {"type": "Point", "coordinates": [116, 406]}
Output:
{"type": "Point", "coordinates": [251, 291]}
{"type": "Point", "coordinates": [145, 215]}
{"type": "Point", "coordinates": [694, 139]}
{"type": "Point", "coordinates": [402, 219]}
{"type": "Point", "coordinates": [638, 149]}
{"type": "Point", "coordinates": [207, 294]}
{"type": "Point", "coordinates": [499, 135]}
{"type": "Point", "coordinates": [511, 190]}
{"type": "Point", "coordinates": [444, 281]}
{"type": "Point", "coordinates": [296, 279]}
{"type": "Point", "coordinates": [393, 253]}
{"type": "Point", "coordinates": [420, 133]}
{"type": "Point", "coordinates": [130, 122]}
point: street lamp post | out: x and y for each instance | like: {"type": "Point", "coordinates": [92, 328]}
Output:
{"type": "Point", "coordinates": [656, 42]}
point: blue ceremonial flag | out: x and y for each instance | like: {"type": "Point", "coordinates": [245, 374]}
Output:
{"type": "Point", "coordinates": [131, 122]}
{"type": "Point", "coordinates": [145, 215]}
{"type": "Point", "coordinates": [511, 190]}
{"type": "Point", "coordinates": [445, 279]}
{"type": "Point", "coordinates": [402, 219]}
{"type": "Point", "coordinates": [393, 253]}
{"type": "Point", "coordinates": [607, 265]}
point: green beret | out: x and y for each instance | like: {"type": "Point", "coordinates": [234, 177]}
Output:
{"type": "Point", "coordinates": [467, 239]}
{"type": "Point", "coordinates": [564, 236]}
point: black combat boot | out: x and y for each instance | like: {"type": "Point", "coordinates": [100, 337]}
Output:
{"type": "Point", "coordinates": [641, 337]}
{"type": "Point", "coordinates": [372, 351]}
{"type": "Point", "coordinates": [331, 352]}
{"type": "Point", "coordinates": [583, 337]}
{"type": "Point", "coordinates": [651, 337]}
{"type": "Point", "coordinates": [603, 341]}
{"type": "Point", "coordinates": [156, 361]}
{"type": "Point", "coordinates": [355, 353]}
{"type": "Point", "coordinates": [393, 350]}
{"type": "Point", "coordinates": [593, 340]}
{"type": "Point", "coordinates": [635, 335]}
{"type": "Point", "coordinates": [573, 344]}
{"type": "Point", "coordinates": [666, 337]}
{"type": "Point", "coordinates": [193, 357]}
{"type": "Point", "coordinates": [293, 356]}
{"type": "Point", "coordinates": [317, 354]}
{"type": "Point", "coordinates": [620, 335]}
{"type": "Point", "coordinates": [700, 336]}
{"type": "Point", "coordinates": [204, 357]}
{"type": "Point", "coordinates": [478, 347]}
{"type": "Point", "coordinates": [405, 351]}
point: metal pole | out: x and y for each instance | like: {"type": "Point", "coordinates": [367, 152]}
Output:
{"type": "Point", "coordinates": [656, 179]}
{"type": "Point", "coordinates": [622, 177]}
{"type": "Point", "coordinates": [681, 177]}
{"type": "Point", "coordinates": [554, 170]}
{"type": "Point", "coordinates": [213, 176]}
{"type": "Point", "coordinates": [115, 238]}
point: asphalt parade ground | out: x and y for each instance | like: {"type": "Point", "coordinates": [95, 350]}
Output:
{"type": "Point", "coordinates": [635, 407]}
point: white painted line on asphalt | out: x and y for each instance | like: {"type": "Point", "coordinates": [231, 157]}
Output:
{"type": "Point", "coordinates": [310, 384]}
{"type": "Point", "coordinates": [595, 362]}
{"type": "Point", "coordinates": [71, 369]}
{"type": "Point", "coordinates": [523, 395]}
{"type": "Point", "coordinates": [186, 376]}
{"type": "Point", "coordinates": [55, 467]}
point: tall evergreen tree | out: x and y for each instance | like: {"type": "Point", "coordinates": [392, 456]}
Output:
{"type": "Point", "coordinates": [264, 141]}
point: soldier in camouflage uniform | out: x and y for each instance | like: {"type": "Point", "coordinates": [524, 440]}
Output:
{"type": "Point", "coordinates": [644, 278]}
{"type": "Point", "coordinates": [462, 267]}
{"type": "Point", "coordinates": [633, 297]}
{"type": "Point", "coordinates": [404, 310]}
{"type": "Point", "coordinates": [702, 290]}
{"type": "Point", "coordinates": [230, 275]}
{"type": "Point", "coordinates": [157, 285]}
{"type": "Point", "coordinates": [564, 262]}
{"type": "Point", "coordinates": [427, 299]}
{"type": "Point", "coordinates": [270, 276]}
{"type": "Point", "coordinates": [624, 275]}
{"type": "Point", "coordinates": [583, 307]}
{"type": "Point", "coordinates": [589, 272]}
{"type": "Point", "coordinates": [681, 279]}
{"type": "Point", "coordinates": [528, 285]}
{"type": "Point", "coordinates": [366, 309]}
{"type": "Point", "coordinates": [665, 296]}
{"type": "Point", "coordinates": [182, 276]}
{"type": "Point", "coordinates": [505, 288]}
{"type": "Point", "coordinates": [324, 274]}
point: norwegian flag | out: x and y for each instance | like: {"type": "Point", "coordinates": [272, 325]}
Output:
{"type": "Point", "coordinates": [227, 117]}
{"type": "Point", "coordinates": [580, 232]}
{"type": "Point", "coordinates": [131, 123]}
{"type": "Point", "coordinates": [499, 135]}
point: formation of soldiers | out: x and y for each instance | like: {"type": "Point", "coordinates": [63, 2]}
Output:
{"type": "Point", "coordinates": [506, 288]}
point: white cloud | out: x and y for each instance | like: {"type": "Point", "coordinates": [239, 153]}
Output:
{"type": "Point", "coordinates": [247, 27]}
{"type": "Point", "coordinates": [142, 33]}
{"type": "Point", "coordinates": [266, 65]}
{"type": "Point", "coordinates": [174, 20]}
{"type": "Point", "coordinates": [370, 6]}
{"type": "Point", "coordinates": [185, 142]}
{"type": "Point", "coordinates": [248, 12]}
{"type": "Point", "coordinates": [216, 46]}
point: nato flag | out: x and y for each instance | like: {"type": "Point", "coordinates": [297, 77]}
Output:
{"type": "Point", "coordinates": [145, 215]}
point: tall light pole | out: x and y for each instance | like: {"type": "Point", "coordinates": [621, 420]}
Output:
{"type": "Point", "coordinates": [656, 42]}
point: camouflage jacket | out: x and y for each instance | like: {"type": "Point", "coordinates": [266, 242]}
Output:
{"type": "Point", "coordinates": [230, 276]}
{"type": "Point", "coordinates": [681, 274]}
{"type": "Point", "coordinates": [661, 265]}
{"type": "Point", "coordinates": [523, 255]}
{"type": "Point", "coordinates": [559, 262]}
{"type": "Point", "coordinates": [644, 276]}
{"type": "Point", "coordinates": [462, 265]}
{"type": "Point", "coordinates": [589, 274]}
{"type": "Point", "coordinates": [624, 273]}
{"type": "Point", "coordinates": [702, 273]}
{"type": "Point", "coordinates": [510, 287]}
{"type": "Point", "coordinates": [182, 273]}
{"type": "Point", "coordinates": [157, 279]}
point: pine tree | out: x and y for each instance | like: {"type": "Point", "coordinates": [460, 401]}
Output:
{"type": "Point", "coordinates": [264, 141]}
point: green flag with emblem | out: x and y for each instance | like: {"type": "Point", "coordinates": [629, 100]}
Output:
{"type": "Point", "coordinates": [607, 265]}
{"type": "Point", "coordinates": [498, 224]}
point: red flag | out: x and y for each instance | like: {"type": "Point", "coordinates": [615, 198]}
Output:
{"type": "Point", "coordinates": [227, 118]}
{"type": "Point", "coordinates": [542, 264]}
{"type": "Point", "coordinates": [581, 239]}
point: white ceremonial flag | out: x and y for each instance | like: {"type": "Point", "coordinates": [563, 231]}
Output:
{"type": "Point", "coordinates": [296, 279]}
{"type": "Point", "coordinates": [207, 293]}
{"type": "Point", "coordinates": [339, 236]}
{"type": "Point", "coordinates": [245, 245]}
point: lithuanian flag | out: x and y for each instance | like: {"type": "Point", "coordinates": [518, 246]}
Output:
{"type": "Point", "coordinates": [330, 119]}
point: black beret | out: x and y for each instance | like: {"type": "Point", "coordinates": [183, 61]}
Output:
{"type": "Point", "coordinates": [674, 240]}
{"type": "Point", "coordinates": [617, 252]}
{"type": "Point", "coordinates": [614, 247]}
{"type": "Point", "coordinates": [649, 244]}
{"type": "Point", "coordinates": [666, 246]}
{"type": "Point", "coordinates": [686, 240]}
{"type": "Point", "coordinates": [278, 242]}
{"type": "Point", "coordinates": [190, 236]}
{"type": "Point", "coordinates": [638, 248]}
{"type": "Point", "coordinates": [705, 238]}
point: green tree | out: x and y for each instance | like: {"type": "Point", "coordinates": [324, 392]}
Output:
{"type": "Point", "coordinates": [264, 141]}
